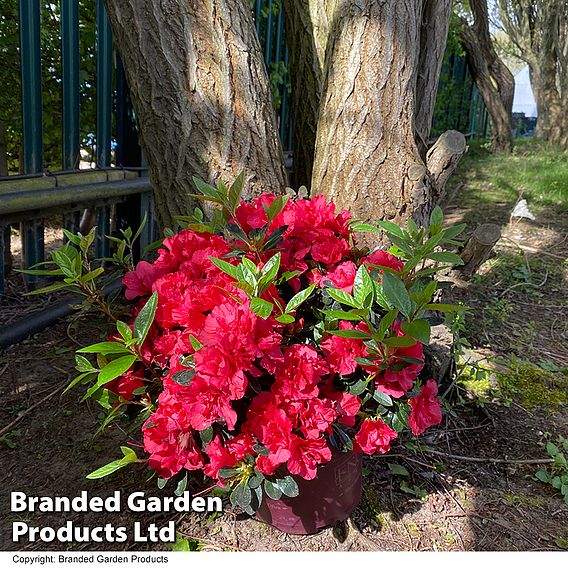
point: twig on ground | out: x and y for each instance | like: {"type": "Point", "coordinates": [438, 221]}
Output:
{"type": "Point", "coordinates": [487, 460]}
{"type": "Point", "coordinates": [533, 250]}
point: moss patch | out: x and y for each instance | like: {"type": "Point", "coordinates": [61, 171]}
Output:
{"type": "Point", "coordinates": [534, 386]}
{"type": "Point", "coordinates": [476, 379]}
{"type": "Point", "coordinates": [372, 508]}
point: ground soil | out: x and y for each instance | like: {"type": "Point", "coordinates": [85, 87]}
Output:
{"type": "Point", "coordinates": [465, 501]}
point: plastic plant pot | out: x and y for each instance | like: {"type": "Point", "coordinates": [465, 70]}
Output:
{"type": "Point", "coordinates": [322, 502]}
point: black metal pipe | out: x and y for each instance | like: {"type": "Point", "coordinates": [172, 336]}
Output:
{"type": "Point", "coordinates": [30, 200]}
{"type": "Point", "coordinates": [38, 321]}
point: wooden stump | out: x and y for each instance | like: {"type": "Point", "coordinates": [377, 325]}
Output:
{"type": "Point", "coordinates": [478, 249]}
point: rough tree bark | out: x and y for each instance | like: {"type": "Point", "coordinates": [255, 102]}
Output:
{"type": "Point", "coordinates": [494, 81]}
{"type": "Point", "coordinates": [539, 30]}
{"type": "Point", "coordinates": [201, 94]}
{"type": "Point", "coordinates": [307, 29]}
{"type": "Point", "coordinates": [368, 156]}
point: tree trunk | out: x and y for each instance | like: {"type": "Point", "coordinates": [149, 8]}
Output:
{"type": "Point", "coordinates": [539, 30]}
{"type": "Point", "coordinates": [201, 94]}
{"type": "Point", "coordinates": [433, 35]}
{"type": "Point", "coordinates": [367, 158]}
{"type": "Point", "coordinates": [494, 81]}
{"type": "Point", "coordinates": [307, 30]}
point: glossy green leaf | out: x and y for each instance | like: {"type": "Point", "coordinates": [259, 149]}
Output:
{"type": "Point", "coordinates": [297, 300]}
{"type": "Point", "coordinates": [397, 294]}
{"type": "Point", "coordinates": [419, 329]}
{"type": "Point", "coordinates": [145, 319]}
{"type": "Point", "coordinates": [115, 368]}
{"type": "Point", "coordinates": [261, 307]}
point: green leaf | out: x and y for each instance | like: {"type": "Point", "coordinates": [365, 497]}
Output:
{"type": "Point", "coordinates": [235, 191]}
{"type": "Point", "coordinates": [277, 206]}
{"type": "Point", "coordinates": [256, 480]}
{"type": "Point", "coordinates": [454, 231]}
{"type": "Point", "coordinates": [115, 368]}
{"type": "Point", "coordinates": [47, 289]}
{"type": "Point", "coordinates": [248, 263]}
{"type": "Point", "coordinates": [105, 347]}
{"type": "Point", "coordinates": [363, 285]}
{"type": "Point", "coordinates": [358, 388]}
{"type": "Point", "coordinates": [399, 341]}
{"type": "Point", "coordinates": [228, 472]}
{"type": "Point", "coordinates": [446, 256]}
{"type": "Point", "coordinates": [272, 490]}
{"type": "Point", "coordinates": [83, 377]}
{"type": "Point", "coordinates": [419, 329]}
{"type": "Point", "coordinates": [181, 486]}
{"type": "Point", "coordinates": [341, 315]}
{"type": "Point", "coordinates": [145, 318]}
{"type": "Point", "coordinates": [299, 298]}
{"type": "Point", "coordinates": [225, 267]}
{"type": "Point", "coordinates": [285, 318]}
{"type": "Point", "coordinates": [386, 321]}
{"type": "Point", "coordinates": [261, 307]}
{"type": "Point", "coordinates": [92, 275]}
{"type": "Point", "coordinates": [195, 343]}
{"type": "Point", "coordinates": [107, 469]}
{"type": "Point", "coordinates": [382, 398]}
{"type": "Point", "coordinates": [437, 216]}
{"type": "Point", "coordinates": [398, 469]}
{"type": "Point", "coordinates": [288, 275]}
{"type": "Point", "coordinates": [275, 238]}
{"type": "Point", "coordinates": [365, 227]}
{"type": "Point", "coordinates": [350, 333]}
{"type": "Point", "coordinates": [552, 449]}
{"type": "Point", "coordinates": [129, 457]}
{"type": "Point", "coordinates": [270, 269]}
{"type": "Point", "coordinates": [343, 297]}
{"type": "Point", "coordinates": [390, 227]}
{"type": "Point", "coordinates": [397, 294]}
{"type": "Point", "coordinates": [207, 190]}
{"type": "Point", "coordinates": [124, 330]}
{"type": "Point", "coordinates": [183, 378]}
{"type": "Point", "coordinates": [241, 496]}
{"type": "Point", "coordinates": [288, 486]}
{"type": "Point", "coordinates": [83, 364]}
{"type": "Point", "coordinates": [380, 297]}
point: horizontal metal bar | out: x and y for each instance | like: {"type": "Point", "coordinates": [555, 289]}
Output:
{"type": "Point", "coordinates": [31, 200]}
{"type": "Point", "coordinates": [49, 173]}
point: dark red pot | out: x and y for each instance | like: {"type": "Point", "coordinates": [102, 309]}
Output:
{"type": "Point", "coordinates": [328, 499]}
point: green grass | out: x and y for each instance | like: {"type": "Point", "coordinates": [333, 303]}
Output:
{"type": "Point", "coordinates": [535, 171]}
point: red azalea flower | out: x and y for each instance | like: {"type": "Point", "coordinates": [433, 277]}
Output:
{"type": "Point", "coordinates": [139, 282]}
{"type": "Point", "coordinates": [171, 446]}
{"type": "Point", "coordinates": [374, 436]}
{"type": "Point", "coordinates": [384, 258]}
{"type": "Point", "coordinates": [341, 352]}
{"type": "Point", "coordinates": [426, 410]}
{"type": "Point", "coordinates": [127, 383]}
{"type": "Point", "coordinates": [306, 455]}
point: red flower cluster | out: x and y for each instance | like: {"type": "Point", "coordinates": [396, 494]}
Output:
{"type": "Point", "coordinates": [236, 385]}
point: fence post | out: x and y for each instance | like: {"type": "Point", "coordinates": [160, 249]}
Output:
{"type": "Point", "coordinates": [70, 78]}
{"type": "Point", "coordinates": [104, 86]}
{"type": "Point", "coordinates": [32, 232]}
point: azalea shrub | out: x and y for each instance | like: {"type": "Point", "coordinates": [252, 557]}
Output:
{"type": "Point", "coordinates": [265, 340]}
